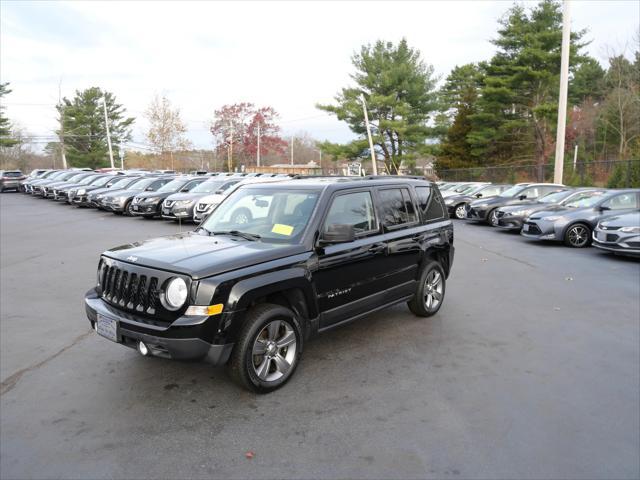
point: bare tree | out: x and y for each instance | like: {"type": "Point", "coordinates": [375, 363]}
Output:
{"type": "Point", "coordinates": [166, 129]}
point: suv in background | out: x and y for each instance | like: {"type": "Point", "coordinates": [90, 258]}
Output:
{"type": "Point", "coordinates": [317, 253]}
{"type": "Point", "coordinates": [10, 180]}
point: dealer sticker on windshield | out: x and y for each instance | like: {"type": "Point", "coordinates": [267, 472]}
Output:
{"type": "Point", "coordinates": [281, 229]}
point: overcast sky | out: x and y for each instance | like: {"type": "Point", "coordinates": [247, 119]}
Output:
{"type": "Point", "coordinates": [289, 55]}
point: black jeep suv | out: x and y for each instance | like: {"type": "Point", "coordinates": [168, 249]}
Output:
{"type": "Point", "coordinates": [315, 253]}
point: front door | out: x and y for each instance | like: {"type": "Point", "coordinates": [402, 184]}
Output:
{"type": "Point", "coordinates": [348, 275]}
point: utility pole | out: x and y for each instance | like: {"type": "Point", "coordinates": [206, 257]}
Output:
{"type": "Point", "coordinates": [562, 100]}
{"type": "Point", "coordinates": [230, 149]}
{"type": "Point", "coordinates": [366, 121]}
{"type": "Point", "coordinates": [258, 153]}
{"type": "Point", "coordinates": [64, 157]}
{"type": "Point", "coordinates": [106, 124]}
{"type": "Point", "coordinates": [121, 152]}
{"type": "Point", "coordinates": [292, 149]}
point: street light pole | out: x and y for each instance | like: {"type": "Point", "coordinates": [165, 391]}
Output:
{"type": "Point", "coordinates": [562, 100]}
{"type": "Point", "coordinates": [106, 124]}
{"type": "Point", "coordinates": [366, 121]}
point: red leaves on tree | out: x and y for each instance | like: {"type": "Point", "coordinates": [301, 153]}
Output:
{"type": "Point", "coordinates": [240, 123]}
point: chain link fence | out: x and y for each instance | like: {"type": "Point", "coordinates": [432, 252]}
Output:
{"type": "Point", "coordinates": [611, 173]}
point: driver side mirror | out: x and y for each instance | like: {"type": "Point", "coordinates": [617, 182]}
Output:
{"type": "Point", "coordinates": [148, 189]}
{"type": "Point", "coordinates": [219, 191]}
{"type": "Point", "coordinates": [522, 197]}
{"type": "Point", "coordinates": [184, 189]}
{"type": "Point", "coordinates": [338, 233]}
{"type": "Point", "coordinates": [603, 208]}
{"type": "Point", "coordinates": [478, 195]}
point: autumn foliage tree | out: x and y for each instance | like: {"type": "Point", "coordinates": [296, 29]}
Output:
{"type": "Point", "coordinates": [236, 129]}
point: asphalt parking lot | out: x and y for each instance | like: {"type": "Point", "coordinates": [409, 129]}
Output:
{"type": "Point", "coordinates": [530, 370]}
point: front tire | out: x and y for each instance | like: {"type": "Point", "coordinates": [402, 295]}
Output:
{"type": "Point", "coordinates": [578, 236]}
{"type": "Point", "coordinates": [492, 217]}
{"type": "Point", "coordinates": [268, 349]}
{"type": "Point", "coordinates": [430, 291]}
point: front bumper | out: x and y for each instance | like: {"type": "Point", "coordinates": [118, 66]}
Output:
{"type": "Point", "coordinates": [80, 200]}
{"type": "Point", "coordinates": [509, 222]}
{"type": "Point", "coordinates": [477, 214]}
{"type": "Point", "coordinates": [541, 229]}
{"type": "Point", "coordinates": [176, 212]}
{"type": "Point", "coordinates": [177, 343]}
{"type": "Point", "coordinates": [613, 241]}
{"type": "Point", "coordinates": [144, 209]}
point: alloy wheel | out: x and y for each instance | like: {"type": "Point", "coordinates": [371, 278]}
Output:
{"type": "Point", "coordinates": [461, 211]}
{"type": "Point", "coordinates": [578, 236]}
{"type": "Point", "coordinates": [493, 218]}
{"type": "Point", "coordinates": [433, 290]}
{"type": "Point", "coordinates": [274, 351]}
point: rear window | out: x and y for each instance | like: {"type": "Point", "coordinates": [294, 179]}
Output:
{"type": "Point", "coordinates": [14, 174]}
{"type": "Point", "coordinates": [396, 207]}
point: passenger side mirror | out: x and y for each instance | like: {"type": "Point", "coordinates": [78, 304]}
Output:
{"type": "Point", "coordinates": [184, 190]}
{"type": "Point", "coordinates": [478, 195]}
{"type": "Point", "coordinates": [219, 191]}
{"type": "Point", "coordinates": [603, 208]}
{"type": "Point", "coordinates": [338, 233]}
{"type": "Point", "coordinates": [522, 197]}
{"type": "Point", "coordinates": [148, 189]}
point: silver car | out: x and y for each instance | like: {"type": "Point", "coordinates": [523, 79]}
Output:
{"type": "Point", "coordinates": [619, 234]}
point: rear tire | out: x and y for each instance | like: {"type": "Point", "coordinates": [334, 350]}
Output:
{"type": "Point", "coordinates": [430, 291]}
{"type": "Point", "coordinates": [460, 211]}
{"type": "Point", "coordinates": [578, 235]}
{"type": "Point", "coordinates": [268, 349]}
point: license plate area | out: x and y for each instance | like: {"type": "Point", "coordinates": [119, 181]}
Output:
{"type": "Point", "coordinates": [107, 327]}
{"type": "Point", "coordinates": [525, 228]}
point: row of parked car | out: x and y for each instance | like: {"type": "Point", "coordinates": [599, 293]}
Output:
{"type": "Point", "coordinates": [145, 194]}
{"type": "Point", "coordinates": [579, 217]}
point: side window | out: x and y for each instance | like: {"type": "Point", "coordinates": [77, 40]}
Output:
{"type": "Point", "coordinates": [354, 209]}
{"type": "Point", "coordinates": [533, 192]}
{"type": "Point", "coordinates": [429, 203]}
{"type": "Point", "coordinates": [396, 207]}
{"type": "Point", "coordinates": [545, 190]}
{"type": "Point", "coordinates": [490, 192]}
{"type": "Point", "coordinates": [226, 186]}
{"type": "Point", "coordinates": [621, 202]}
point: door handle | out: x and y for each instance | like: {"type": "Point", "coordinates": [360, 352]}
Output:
{"type": "Point", "coordinates": [377, 248]}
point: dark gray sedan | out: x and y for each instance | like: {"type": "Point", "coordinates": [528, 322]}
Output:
{"type": "Point", "coordinates": [574, 223]}
{"type": "Point", "coordinates": [619, 234]}
{"type": "Point", "coordinates": [512, 217]}
{"type": "Point", "coordinates": [457, 204]}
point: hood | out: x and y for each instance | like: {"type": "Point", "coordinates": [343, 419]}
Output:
{"type": "Point", "coordinates": [122, 193]}
{"type": "Point", "coordinates": [212, 199]}
{"type": "Point", "coordinates": [159, 195]}
{"type": "Point", "coordinates": [68, 186]}
{"type": "Point", "coordinates": [200, 255]}
{"type": "Point", "coordinates": [497, 201]}
{"type": "Point", "coordinates": [626, 220]}
{"type": "Point", "coordinates": [186, 196]}
{"type": "Point", "coordinates": [569, 212]}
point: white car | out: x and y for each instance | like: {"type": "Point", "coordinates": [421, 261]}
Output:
{"type": "Point", "coordinates": [207, 204]}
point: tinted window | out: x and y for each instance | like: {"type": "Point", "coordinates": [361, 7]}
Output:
{"type": "Point", "coordinates": [13, 174]}
{"type": "Point", "coordinates": [354, 209]}
{"type": "Point", "coordinates": [396, 207]}
{"type": "Point", "coordinates": [430, 203]}
{"type": "Point", "coordinates": [621, 202]}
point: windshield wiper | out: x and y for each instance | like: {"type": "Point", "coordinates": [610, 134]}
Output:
{"type": "Point", "coordinates": [236, 233]}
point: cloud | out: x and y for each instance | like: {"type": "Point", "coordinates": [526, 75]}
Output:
{"type": "Point", "coordinates": [290, 55]}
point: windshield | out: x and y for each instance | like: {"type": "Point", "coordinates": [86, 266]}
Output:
{"type": "Point", "coordinates": [173, 186]}
{"type": "Point", "coordinates": [76, 178]}
{"type": "Point", "coordinates": [555, 197]}
{"type": "Point", "coordinates": [588, 199]}
{"type": "Point", "coordinates": [101, 181]}
{"type": "Point", "coordinates": [88, 180]}
{"type": "Point", "coordinates": [513, 191]}
{"type": "Point", "coordinates": [207, 187]}
{"type": "Point", "coordinates": [273, 214]}
{"type": "Point", "coordinates": [123, 183]}
{"type": "Point", "coordinates": [141, 184]}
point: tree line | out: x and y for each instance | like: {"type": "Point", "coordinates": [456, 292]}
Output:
{"type": "Point", "coordinates": [497, 111]}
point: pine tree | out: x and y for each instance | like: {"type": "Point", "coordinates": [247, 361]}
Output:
{"type": "Point", "coordinates": [5, 125]}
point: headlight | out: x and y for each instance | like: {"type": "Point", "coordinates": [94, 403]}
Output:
{"type": "Point", "coordinates": [521, 213]}
{"type": "Point", "coordinates": [630, 229]}
{"type": "Point", "coordinates": [175, 294]}
{"type": "Point", "coordinates": [183, 203]}
{"type": "Point", "coordinates": [152, 199]}
{"type": "Point", "coordinates": [552, 218]}
{"type": "Point", "coordinates": [82, 191]}
{"type": "Point", "coordinates": [481, 204]}
{"type": "Point", "coordinates": [448, 201]}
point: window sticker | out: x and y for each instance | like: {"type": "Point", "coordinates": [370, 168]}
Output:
{"type": "Point", "coordinates": [281, 229]}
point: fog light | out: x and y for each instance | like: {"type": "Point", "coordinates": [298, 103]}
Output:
{"type": "Point", "coordinates": [142, 348]}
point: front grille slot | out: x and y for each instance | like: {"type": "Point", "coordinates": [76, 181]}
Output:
{"type": "Point", "coordinates": [130, 290]}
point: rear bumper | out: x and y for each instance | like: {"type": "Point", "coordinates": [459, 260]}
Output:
{"type": "Point", "coordinates": [162, 342]}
